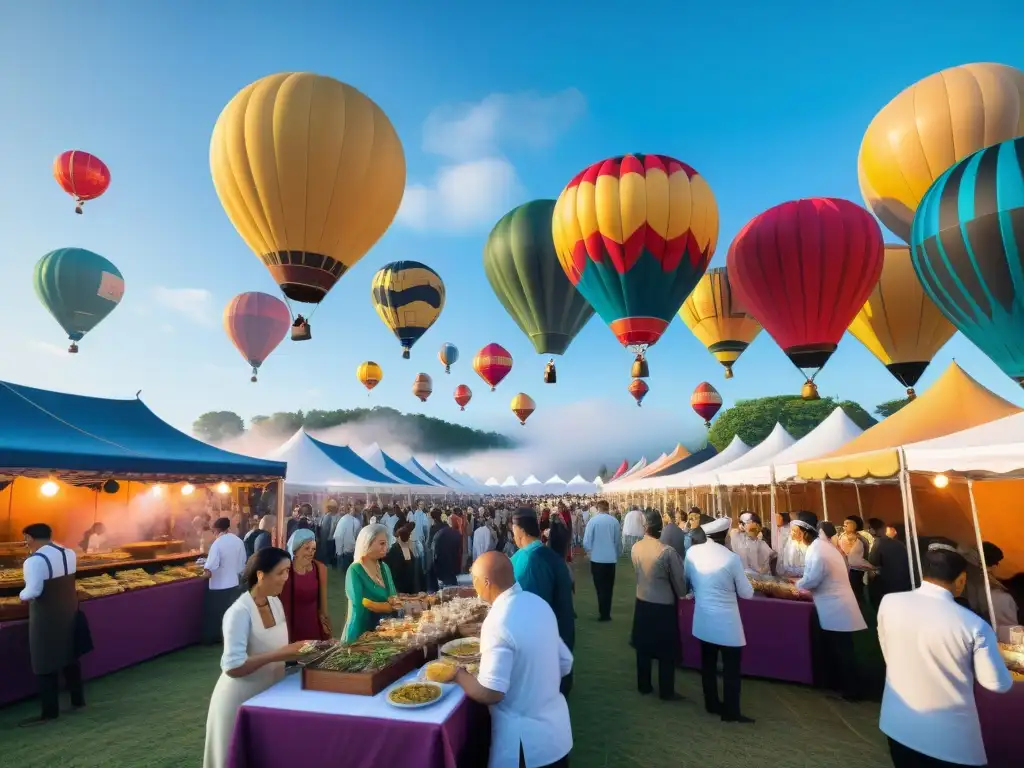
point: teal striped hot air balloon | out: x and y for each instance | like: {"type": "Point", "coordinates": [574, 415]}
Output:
{"type": "Point", "coordinates": [967, 244]}
{"type": "Point", "coordinates": [79, 288]}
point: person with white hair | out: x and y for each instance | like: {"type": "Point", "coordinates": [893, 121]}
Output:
{"type": "Point", "coordinates": [369, 586]}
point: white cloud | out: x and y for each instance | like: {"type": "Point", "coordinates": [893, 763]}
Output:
{"type": "Point", "coordinates": [194, 304]}
{"type": "Point", "coordinates": [479, 184]}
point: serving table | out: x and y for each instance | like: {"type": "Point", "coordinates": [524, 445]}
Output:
{"type": "Point", "coordinates": [127, 628]}
{"type": "Point", "coordinates": [286, 725]}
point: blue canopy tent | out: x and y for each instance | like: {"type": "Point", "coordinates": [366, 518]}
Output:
{"type": "Point", "coordinates": [345, 457]}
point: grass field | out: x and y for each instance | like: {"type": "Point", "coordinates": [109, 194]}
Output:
{"type": "Point", "coordinates": [154, 715]}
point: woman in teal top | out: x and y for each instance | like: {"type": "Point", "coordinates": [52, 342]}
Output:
{"type": "Point", "coordinates": [368, 583]}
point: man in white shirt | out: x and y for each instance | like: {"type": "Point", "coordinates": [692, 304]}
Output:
{"type": "Point", "coordinates": [419, 536]}
{"type": "Point", "coordinates": [935, 652]}
{"type": "Point", "coordinates": [49, 574]}
{"type": "Point", "coordinates": [345, 538]}
{"type": "Point", "coordinates": [522, 662]}
{"type": "Point", "coordinates": [224, 565]}
{"type": "Point", "coordinates": [632, 529]}
{"type": "Point", "coordinates": [389, 521]}
{"type": "Point", "coordinates": [754, 552]}
{"type": "Point", "coordinates": [483, 539]}
{"type": "Point", "coordinates": [603, 544]}
{"type": "Point", "coordinates": [827, 579]}
{"type": "Point", "coordinates": [717, 579]}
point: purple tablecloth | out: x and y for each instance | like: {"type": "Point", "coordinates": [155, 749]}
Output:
{"type": "Point", "coordinates": [1001, 716]}
{"type": "Point", "coordinates": [126, 629]}
{"type": "Point", "coordinates": [269, 738]}
{"type": "Point", "coordinates": [778, 636]}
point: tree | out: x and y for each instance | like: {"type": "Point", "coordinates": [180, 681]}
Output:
{"type": "Point", "coordinates": [217, 426]}
{"type": "Point", "coordinates": [889, 407]}
{"type": "Point", "coordinates": [753, 420]}
{"type": "Point", "coordinates": [603, 472]}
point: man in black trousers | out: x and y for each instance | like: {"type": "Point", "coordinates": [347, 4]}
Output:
{"type": "Point", "coordinates": [603, 542]}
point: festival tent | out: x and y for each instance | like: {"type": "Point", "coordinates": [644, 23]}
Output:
{"type": "Point", "coordinates": [532, 486]}
{"type": "Point", "coordinates": [598, 481]}
{"type": "Point", "coordinates": [509, 484]}
{"type": "Point", "coordinates": [468, 481]}
{"type": "Point", "coordinates": [667, 459]}
{"type": "Point", "coordinates": [555, 485]}
{"type": "Point", "coordinates": [376, 458]}
{"type": "Point", "coordinates": [417, 469]}
{"type": "Point", "coordinates": [733, 451]}
{"type": "Point", "coordinates": [348, 459]}
{"type": "Point", "coordinates": [683, 464]}
{"type": "Point", "coordinates": [492, 482]}
{"type": "Point", "coordinates": [581, 486]}
{"type": "Point", "coordinates": [312, 469]}
{"type": "Point", "coordinates": [635, 468]}
{"type": "Point", "coordinates": [835, 431]}
{"type": "Point", "coordinates": [436, 470]}
{"type": "Point", "coordinates": [623, 467]}
{"type": "Point", "coordinates": [987, 450]}
{"type": "Point", "coordinates": [777, 441]}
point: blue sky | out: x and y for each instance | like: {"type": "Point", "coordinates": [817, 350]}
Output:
{"type": "Point", "coordinates": [768, 101]}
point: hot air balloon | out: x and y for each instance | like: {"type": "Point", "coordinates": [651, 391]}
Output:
{"type": "Point", "coordinates": [81, 175]}
{"type": "Point", "coordinates": [256, 323]}
{"type": "Point", "coordinates": [79, 288]}
{"type": "Point", "coordinates": [899, 324]}
{"type": "Point", "coordinates": [930, 126]}
{"type": "Point", "coordinates": [638, 389]}
{"type": "Point", "coordinates": [448, 355]}
{"type": "Point", "coordinates": [634, 234]}
{"type": "Point", "coordinates": [523, 269]}
{"type": "Point", "coordinates": [409, 297]}
{"type": "Point", "coordinates": [522, 406]}
{"type": "Point", "coordinates": [311, 173]}
{"type": "Point", "coordinates": [422, 387]}
{"type": "Point", "coordinates": [463, 395]}
{"type": "Point", "coordinates": [369, 374]}
{"type": "Point", "coordinates": [967, 245]}
{"type": "Point", "coordinates": [714, 314]}
{"type": "Point", "coordinates": [492, 364]}
{"type": "Point", "coordinates": [705, 402]}
{"type": "Point", "coordinates": [804, 269]}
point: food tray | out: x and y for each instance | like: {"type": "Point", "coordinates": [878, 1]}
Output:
{"type": "Point", "coordinates": [361, 683]}
{"type": "Point", "coordinates": [447, 648]}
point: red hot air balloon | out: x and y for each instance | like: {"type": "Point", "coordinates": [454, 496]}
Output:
{"type": "Point", "coordinates": [463, 395]}
{"type": "Point", "coordinates": [804, 269]}
{"type": "Point", "coordinates": [638, 389]}
{"type": "Point", "coordinates": [256, 323]}
{"type": "Point", "coordinates": [492, 364]}
{"type": "Point", "coordinates": [705, 402]}
{"type": "Point", "coordinates": [81, 175]}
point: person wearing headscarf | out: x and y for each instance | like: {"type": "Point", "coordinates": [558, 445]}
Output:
{"type": "Point", "coordinates": [368, 583]}
{"type": "Point", "coordinates": [401, 560]}
{"type": "Point", "coordinates": [794, 552]}
{"type": "Point", "coordinates": [305, 594]}
{"type": "Point", "coordinates": [660, 584]}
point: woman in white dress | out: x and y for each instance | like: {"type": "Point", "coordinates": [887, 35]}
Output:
{"type": "Point", "coordinates": [255, 649]}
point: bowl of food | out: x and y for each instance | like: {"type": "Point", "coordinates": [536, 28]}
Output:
{"type": "Point", "coordinates": [440, 671]}
{"type": "Point", "coordinates": [464, 649]}
{"type": "Point", "coordinates": [421, 693]}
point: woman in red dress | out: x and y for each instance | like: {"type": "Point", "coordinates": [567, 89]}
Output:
{"type": "Point", "coordinates": [305, 594]}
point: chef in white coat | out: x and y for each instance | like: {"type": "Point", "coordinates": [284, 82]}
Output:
{"type": "Point", "coordinates": [717, 579]}
{"type": "Point", "coordinates": [754, 552]}
{"type": "Point", "coordinates": [827, 579]}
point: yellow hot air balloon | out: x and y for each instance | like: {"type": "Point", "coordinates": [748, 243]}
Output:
{"type": "Point", "coordinates": [369, 374]}
{"type": "Point", "coordinates": [522, 406]}
{"type": "Point", "coordinates": [311, 173]}
{"type": "Point", "coordinates": [408, 297]}
{"type": "Point", "coordinates": [930, 126]}
{"type": "Point", "coordinates": [899, 324]}
{"type": "Point", "coordinates": [714, 314]}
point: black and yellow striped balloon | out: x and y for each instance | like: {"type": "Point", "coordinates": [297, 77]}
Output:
{"type": "Point", "coordinates": [409, 297]}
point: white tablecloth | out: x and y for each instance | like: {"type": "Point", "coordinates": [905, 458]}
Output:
{"type": "Point", "coordinates": [288, 694]}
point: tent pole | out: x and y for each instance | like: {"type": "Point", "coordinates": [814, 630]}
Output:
{"type": "Point", "coordinates": [913, 518]}
{"type": "Point", "coordinates": [771, 509]}
{"type": "Point", "coordinates": [279, 525]}
{"type": "Point", "coordinates": [911, 539]}
{"type": "Point", "coordinates": [860, 509]}
{"type": "Point", "coordinates": [824, 500]}
{"type": "Point", "coordinates": [981, 555]}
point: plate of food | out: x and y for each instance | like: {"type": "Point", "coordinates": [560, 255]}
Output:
{"type": "Point", "coordinates": [462, 649]}
{"type": "Point", "coordinates": [421, 693]}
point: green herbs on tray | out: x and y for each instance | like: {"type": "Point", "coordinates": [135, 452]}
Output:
{"type": "Point", "coordinates": [347, 660]}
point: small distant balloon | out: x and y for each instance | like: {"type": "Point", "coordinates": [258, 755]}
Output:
{"type": "Point", "coordinates": [422, 387]}
{"type": "Point", "coordinates": [369, 374]}
{"type": "Point", "coordinates": [463, 395]}
{"type": "Point", "coordinates": [81, 175]}
{"type": "Point", "coordinates": [705, 402]}
{"type": "Point", "coordinates": [448, 355]}
{"type": "Point", "coordinates": [638, 389]}
{"type": "Point", "coordinates": [522, 406]}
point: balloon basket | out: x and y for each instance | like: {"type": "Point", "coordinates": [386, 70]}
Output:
{"type": "Point", "coordinates": [78, 210]}
{"type": "Point", "coordinates": [253, 379]}
{"type": "Point", "coordinates": [462, 407]}
{"type": "Point", "coordinates": [728, 373]}
{"type": "Point", "coordinates": [73, 349]}
{"type": "Point", "coordinates": [707, 425]}
{"type": "Point", "coordinates": [405, 354]}
{"type": "Point", "coordinates": [810, 391]}
{"type": "Point", "coordinates": [550, 374]}
{"type": "Point", "coordinates": [301, 330]}
{"type": "Point", "coordinates": [447, 369]}
{"type": "Point", "coordinates": [493, 389]}
{"type": "Point", "coordinates": [911, 394]}
{"type": "Point", "coordinates": [640, 369]}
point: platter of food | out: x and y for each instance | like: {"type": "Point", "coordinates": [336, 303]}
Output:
{"type": "Point", "coordinates": [415, 695]}
{"type": "Point", "coordinates": [364, 668]}
{"type": "Point", "coordinates": [779, 589]}
{"type": "Point", "coordinates": [462, 649]}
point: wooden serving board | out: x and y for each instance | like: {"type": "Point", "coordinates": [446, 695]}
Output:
{"type": "Point", "coordinates": [362, 683]}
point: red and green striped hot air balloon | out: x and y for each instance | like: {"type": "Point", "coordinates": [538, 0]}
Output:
{"type": "Point", "coordinates": [635, 234]}
{"type": "Point", "coordinates": [706, 402]}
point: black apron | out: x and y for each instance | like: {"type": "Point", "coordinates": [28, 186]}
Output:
{"type": "Point", "coordinates": [57, 632]}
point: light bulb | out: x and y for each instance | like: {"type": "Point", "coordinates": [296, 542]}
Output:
{"type": "Point", "coordinates": [940, 481]}
{"type": "Point", "coordinates": [157, 490]}
{"type": "Point", "coordinates": [223, 488]}
{"type": "Point", "coordinates": [187, 489]}
{"type": "Point", "coordinates": [49, 488]}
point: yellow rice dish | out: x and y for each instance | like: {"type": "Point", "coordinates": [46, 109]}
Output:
{"type": "Point", "coordinates": [414, 693]}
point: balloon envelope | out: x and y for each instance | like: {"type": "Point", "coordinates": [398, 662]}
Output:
{"type": "Point", "coordinates": [422, 386]}
{"type": "Point", "coordinates": [81, 175]}
{"type": "Point", "coordinates": [492, 364]}
{"type": "Point", "coordinates": [408, 297]}
{"type": "Point", "coordinates": [930, 126]}
{"type": "Point", "coordinates": [523, 269]}
{"type": "Point", "coordinates": [804, 269]}
{"type": "Point", "coordinates": [968, 250]}
{"type": "Point", "coordinates": [448, 355]}
{"type": "Point", "coordinates": [463, 395]}
{"type": "Point", "coordinates": [715, 316]}
{"type": "Point", "coordinates": [78, 287]}
{"type": "Point", "coordinates": [369, 374]}
{"type": "Point", "coordinates": [256, 323]}
{"type": "Point", "coordinates": [638, 389]}
{"type": "Point", "coordinates": [522, 406]}
{"type": "Point", "coordinates": [705, 402]}
{"type": "Point", "coordinates": [634, 234]}
{"type": "Point", "coordinates": [311, 173]}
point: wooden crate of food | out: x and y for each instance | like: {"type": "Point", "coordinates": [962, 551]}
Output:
{"type": "Point", "coordinates": [362, 683]}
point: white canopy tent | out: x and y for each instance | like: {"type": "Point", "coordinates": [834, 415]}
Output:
{"type": "Point", "coordinates": [995, 448]}
{"type": "Point", "coordinates": [532, 486]}
{"type": "Point", "coordinates": [777, 441]}
{"type": "Point", "coordinates": [509, 484]}
{"type": "Point", "coordinates": [581, 486]}
{"type": "Point", "coordinates": [598, 481]}
{"type": "Point", "coordinates": [556, 485]}
{"type": "Point", "coordinates": [469, 482]}
{"type": "Point", "coordinates": [733, 451]}
{"type": "Point", "coordinates": [492, 482]}
{"type": "Point", "coordinates": [310, 469]}
{"type": "Point", "coordinates": [413, 466]}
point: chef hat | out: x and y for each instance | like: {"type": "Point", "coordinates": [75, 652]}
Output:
{"type": "Point", "coordinates": [806, 520]}
{"type": "Point", "coordinates": [720, 525]}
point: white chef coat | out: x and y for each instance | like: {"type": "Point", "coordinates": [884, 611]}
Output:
{"type": "Point", "coordinates": [345, 534]}
{"type": "Point", "coordinates": [483, 541]}
{"type": "Point", "coordinates": [225, 561]}
{"type": "Point", "coordinates": [34, 571]}
{"type": "Point", "coordinates": [755, 554]}
{"type": "Point", "coordinates": [781, 539]}
{"type": "Point", "coordinates": [716, 577]}
{"type": "Point", "coordinates": [935, 651]}
{"type": "Point", "coordinates": [633, 523]}
{"type": "Point", "coordinates": [522, 656]}
{"type": "Point", "coordinates": [390, 521]}
{"type": "Point", "coordinates": [827, 578]}
{"type": "Point", "coordinates": [602, 540]}
{"type": "Point", "coordinates": [792, 559]}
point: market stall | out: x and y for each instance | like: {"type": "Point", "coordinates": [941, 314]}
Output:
{"type": "Point", "coordinates": [109, 477]}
